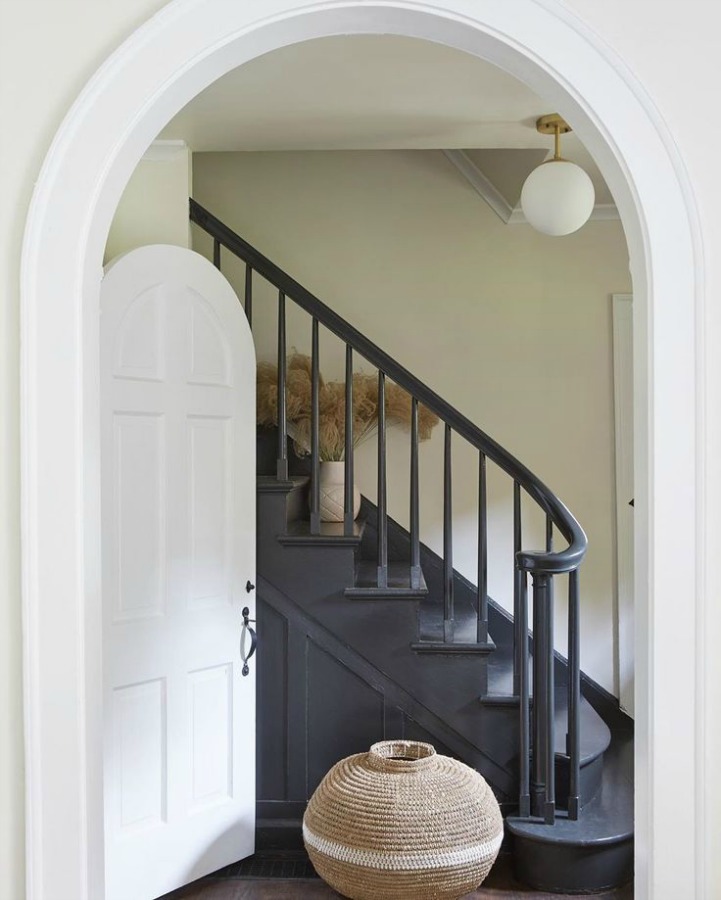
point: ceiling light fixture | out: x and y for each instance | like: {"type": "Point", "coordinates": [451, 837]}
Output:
{"type": "Point", "coordinates": [558, 196]}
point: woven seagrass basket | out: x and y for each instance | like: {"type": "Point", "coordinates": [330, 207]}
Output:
{"type": "Point", "coordinates": [402, 822]}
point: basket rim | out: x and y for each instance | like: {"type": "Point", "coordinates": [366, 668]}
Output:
{"type": "Point", "coordinates": [401, 755]}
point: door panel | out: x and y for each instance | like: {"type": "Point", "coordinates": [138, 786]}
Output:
{"type": "Point", "coordinates": [178, 495]}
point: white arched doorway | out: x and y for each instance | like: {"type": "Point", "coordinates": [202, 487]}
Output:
{"type": "Point", "coordinates": [175, 55]}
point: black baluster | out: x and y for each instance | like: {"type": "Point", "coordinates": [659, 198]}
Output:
{"type": "Point", "coordinates": [524, 799]}
{"type": "Point", "coordinates": [315, 433]}
{"type": "Point", "coordinates": [382, 485]}
{"type": "Point", "coordinates": [249, 294]}
{"type": "Point", "coordinates": [282, 463]}
{"type": "Point", "coordinates": [549, 807]}
{"type": "Point", "coordinates": [482, 627]}
{"type": "Point", "coordinates": [216, 253]}
{"type": "Point", "coordinates": [448, 598]}
{"type": "Point", "coordinates": [538, 708]}
{"type": "Point", "coordinates": [573, 743]}
{"type": "Point", "coordinates": [517, 539]}
{"type": "Point", "coordinates": [415, 503]}
{"type": "Point", "coordinates": [349, 517]}
{"type": "Point", "coordinates": [550, 804]}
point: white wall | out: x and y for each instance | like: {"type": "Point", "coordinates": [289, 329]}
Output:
{"type": "Point", "coordinates": [510, 326]}
{"type": "Point", "coordinates": [49, 48]}
{"type": "Point", "coordinates": [154, 206]}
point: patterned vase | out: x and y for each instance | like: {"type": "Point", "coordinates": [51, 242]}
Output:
{"type": "Point", "coordinates": [332, 492]}
{"type": "Point", "coordinates": [402, 823]}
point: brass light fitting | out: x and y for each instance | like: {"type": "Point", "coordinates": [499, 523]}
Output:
{"type": "Point", "coordinates": [555, 125]}
{"type": "Point", "coordinates": [557, 199]}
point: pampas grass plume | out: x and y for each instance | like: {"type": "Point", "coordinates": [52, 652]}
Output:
{"type": "Point", "coordinates": [299, 387]}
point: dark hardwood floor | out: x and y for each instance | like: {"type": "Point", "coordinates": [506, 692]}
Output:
{"type": "Point", "coordinates": [499, 884]}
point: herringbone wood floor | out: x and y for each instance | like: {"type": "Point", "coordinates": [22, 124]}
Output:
{"type": "Point", "coordinates": [500, 885]}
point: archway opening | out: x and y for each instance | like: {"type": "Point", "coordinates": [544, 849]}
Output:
{"type": "Point", "coordinates": [91, 161]}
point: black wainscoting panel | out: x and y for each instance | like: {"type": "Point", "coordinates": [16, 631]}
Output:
{"type": "Point", "coordinates": [412, 731]}
{"type": "Point", "coordinates": [345, 713]}
{"type": "Point", "coordinates": [313, 710]}
{"type": "Point", "coordinates": [272, 704]}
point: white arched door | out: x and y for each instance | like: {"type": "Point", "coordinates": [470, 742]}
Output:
{"type": "Point", "coordinates": [178, 563]}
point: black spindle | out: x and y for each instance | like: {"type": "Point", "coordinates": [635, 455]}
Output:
{"type": "Point", "coordinates": [382, 485]}
{"type": "Point", "coordinates": [348, 514]}
{"type": "Point", "coordinates": [517, 538]}
{"type": "Point", "coordinates": [448, 598]}
{"type": "Point", "coordinates": [538, 708]}
{"type": "Point", "coordinates": [550, 804]}
{"type": "Point", "coordinates": [249, 294]}
{"type": "Point", "coordinates": [282, 461]}
{"type": "Point", "coordinates": [415, 503]}
{"type": "Point", "coordinates": [573, 744]}
{"type": "Point", "coordinates": [524, 800]}
{"type": "Point", "coordinates": [216, 253]}
{"type": "Point", "coordinates": [549, 807]}
{"type": "Point", "coordinates": [315, 433]}
{"type": "Point", "coordinates": [482, 627]}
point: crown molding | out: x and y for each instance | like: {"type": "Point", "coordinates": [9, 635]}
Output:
{"type": "Point", "coordinates": [602, 212]}
{"type": "Point", "coordinates": [481, 184]}
{"type": "Point", "coordinates": [165, 151]}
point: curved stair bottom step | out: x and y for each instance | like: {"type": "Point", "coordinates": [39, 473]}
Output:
{"type": "Point", "coordinates": [592, 854]}
{"type": "Point", "coordinates": [568, 869]}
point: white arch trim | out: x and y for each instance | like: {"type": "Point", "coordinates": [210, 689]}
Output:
{"type": "Point", "coordinates": [181, 50]}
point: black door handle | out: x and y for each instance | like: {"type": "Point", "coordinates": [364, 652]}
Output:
{"type": "Point", "coordinates": [249, 586]}
{"type": "Point", "coordinates": [247, 629]}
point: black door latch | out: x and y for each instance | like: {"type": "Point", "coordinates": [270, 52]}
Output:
{"type": "Point", "coordinates": [247, 629]}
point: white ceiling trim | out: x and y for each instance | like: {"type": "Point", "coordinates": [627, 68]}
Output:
{"type": "Point", "coordinates": [481, 184]}
{"type": "Point", "coordinates": [165, 150]}
{"type": "Point", "coordinates": [602, 212]}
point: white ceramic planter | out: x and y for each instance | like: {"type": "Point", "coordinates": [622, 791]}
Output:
{"type": "Point", "coordinates": [332, 492]}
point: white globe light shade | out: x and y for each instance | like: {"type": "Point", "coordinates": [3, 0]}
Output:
{"type": "Point", "coordinates": [557, 197]}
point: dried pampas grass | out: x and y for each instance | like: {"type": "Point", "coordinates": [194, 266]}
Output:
{"type": "Point", "coordinates": [332, 407]}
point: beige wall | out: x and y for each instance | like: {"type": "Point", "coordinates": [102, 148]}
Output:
{"type": "Point", "coordinates": [154, 205]}
{"type": "Point", "coordinates": [48, 50]}
{"type": "Point", "coordinates": [510, 326]}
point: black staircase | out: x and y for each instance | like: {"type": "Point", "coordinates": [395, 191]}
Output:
{"type": "Point", "coordinates": [427, 668]}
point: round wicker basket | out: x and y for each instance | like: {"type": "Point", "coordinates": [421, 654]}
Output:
{"type": "Point", "coordinates": [402, 822]}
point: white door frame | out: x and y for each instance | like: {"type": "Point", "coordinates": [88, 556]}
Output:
{"type": "Point", "coordinates": [177, 53]}
{"type": "Point", "coordinates": [622, 312]}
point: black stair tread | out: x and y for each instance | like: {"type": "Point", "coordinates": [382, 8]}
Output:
{"type": "Point", "coordinates": [455, 646]}
{"type": "Point", "coordinates": [331, 534]}
{"type": "Point", "coordinates": [399, 583]}
{"type": "Point", "coordinates": [270, 484]}
{"type": "Point", "coordinates": [608, 818]}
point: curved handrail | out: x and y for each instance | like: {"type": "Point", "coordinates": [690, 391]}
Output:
{"type": "Point", "coordinates": [550, 562]}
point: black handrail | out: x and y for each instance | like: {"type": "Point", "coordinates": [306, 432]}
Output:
{"type": "Point", "coordinates": [555, 562]}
